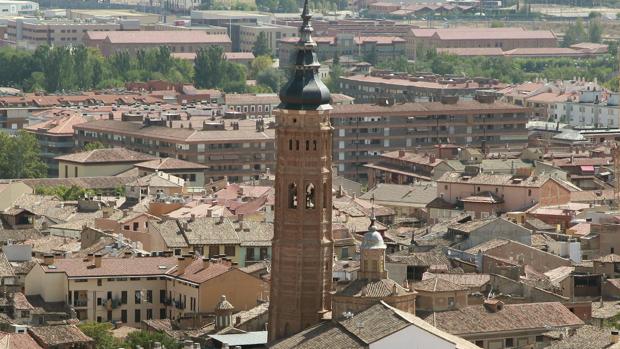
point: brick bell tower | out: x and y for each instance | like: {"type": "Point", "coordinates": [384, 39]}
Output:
{"type": "Point", "coordinates": [303, 247]}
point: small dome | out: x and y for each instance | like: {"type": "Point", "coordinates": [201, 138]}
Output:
{"type": "Point", "coordinates": [372, 239]}
{"type": "Point", "coordinates": [224, 304]}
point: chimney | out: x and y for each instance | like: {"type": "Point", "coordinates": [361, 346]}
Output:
{"type": "Point", "coordinates": [615, 337]}
{"type": "Point", "coordinates": [205, 262]}
{"type": "Point", "coordinates": [90, 257]}
{"type": "Point", "coordinates": [401, 153]}
{"type": "Point", "coordinates": [209, 212]}
{"type": "Point", "coordinates": [183, 262]}
{"type": "Point", "coordinates": [48, 259]}
{"type": "Point", "coordinates": [493, 305]}
{"type": "Point", "coordinates": [127, 254]}
{"type": "Point", "coordinates": [98, 260]}
{"type": "Point", "coordinates": [431, 158]}
{"type": "Point", "coordinates": [240, 217]}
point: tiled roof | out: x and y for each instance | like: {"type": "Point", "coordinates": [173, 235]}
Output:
{"type": "Point", "coordinates": [164, 164]}
{"type": "Point", "coordinates": [488, 245]}
{"type": "Point", "coordinates": [437, 285]}
{"type": "Point", "coordinates": [20, 302]}
{"type": "Point", "coordinates": [103, 182]}
{"type": "Point", "coordinates": [424, 108]}
{"type": "Point", "coordinates": [106, 155]}
{"type": "Point", "coordinates": [510, 33]}
{"type": "Point", "coordinates": [165, 37]}
{"type": "Point", "coordinates": [58, 126]}
{"type": "Point", "coordinates": [17, 341]}
{"type": "Point", "coordinates": [59, 335]}
{"type": "Point", "coordinates": [413, 157]}
{"type": "Point", "coordinates": [403, 194]}
{"type": "Point", "coordinates": [423, 259]}
{"type": "Point", "coordinates": [326, 335]}
{"type": "Point", "coordinates": [470, 280]}
{"type": "Point", "coordinates": [6, 269]}
{"type": "Point", "coordinates": [77, 267]}
{"type": "Point", "coordinates": [372, 288]}
{"type": "Point", "coordinates": [476, 319]}
{"type": "Point", "coordinates": [471, 51]}
{"type": "Point", "coordinates": [610, 258]}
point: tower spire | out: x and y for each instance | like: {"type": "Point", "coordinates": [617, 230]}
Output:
{"type": "Point", "coordinates": [304, 90]}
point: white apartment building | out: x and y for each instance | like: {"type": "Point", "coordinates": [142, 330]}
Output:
{"type": "Point", "coordinates": [595, 109]}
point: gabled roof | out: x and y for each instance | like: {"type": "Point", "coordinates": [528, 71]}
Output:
{"type": "Point", "coordinates": [59, 335]}
{"type": "Point", "coordinates": [437, 285]}
{"type": "Point", "coordinates": [164, 164]}
{"type": "Point", "coordinates": [17, 341]}
{"type": "Point", "coordinates": [476, 319]}
{"type": "Point", "coordinates": [106, 155]}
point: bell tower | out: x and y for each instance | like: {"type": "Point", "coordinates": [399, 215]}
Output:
{"type": "Point", "coordinates": [303, 247]}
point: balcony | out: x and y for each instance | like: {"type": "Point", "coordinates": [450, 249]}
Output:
{"type": "Point", "coordinates": [80, 302]}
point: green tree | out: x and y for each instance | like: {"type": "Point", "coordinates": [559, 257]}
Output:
{"type": "Point", "coordinates": [287, 6]}
{"type": "Point", "coordinates": [65, 193]}
{"type": "Point", "coordinates": [333, 81]}
{"type": "Point", "coordinates": [261, 46]}
{"type": "Point", "coordinates": [271, 78]}
{"type": "Point", "coordinates": [101, 333]}
{"type": "Point", "coordinates": [93, 146]}
{"type": "Point", "coordinates": [574, 33]}
{"type": "Point", "coordinates": [20, 156]}
{"type": "Point", "coordinates": [259, 64]}
{"type": "Point", "coordinates": [146, 339]}
{"type": "Point", "coordinates": [595, 31]}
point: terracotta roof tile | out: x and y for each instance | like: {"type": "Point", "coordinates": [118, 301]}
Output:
{"type": "Point", "coordinates": [106, 155]}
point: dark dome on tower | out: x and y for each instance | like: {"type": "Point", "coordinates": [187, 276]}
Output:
{"type": "Point", "coordinates": [305, 90]}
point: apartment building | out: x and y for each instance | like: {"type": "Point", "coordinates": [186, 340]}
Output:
{"type": "Point", "coordinates": [241, 150]}
{"type": "Point", "coordinates": [55, 138]}
{"type": "Point", "coordinates": [257, 105]}
{"type": "Point", "coordinates": [132, 41]}
{"type": "Point", "coordinates": [362, 131]}
{"type": "Point", "coordinates": [408, 88]}
{"type": "Point", "coordinates": [248, 34]}
{"type": "Point", "coordinates": [349, 44]}
{"type": "Point", "coordinates": [590, 109]}
{"type": "Point", "coordinates": [232, 20]}
{"type": "Point", "coordinates": [420, 41]}
{"type": "Point", "coordinates": [131, 289]}
{"type": "Point", "coordinates": [29, 33]}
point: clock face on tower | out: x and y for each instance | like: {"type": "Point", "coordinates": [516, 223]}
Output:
{"type": "Point", "coordinates": [301, 266]}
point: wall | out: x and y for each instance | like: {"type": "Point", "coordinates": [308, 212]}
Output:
{"type": "Point", "coordinates": [403, 339]}
{"type": "Point", "coordinates": [67, 169]}
{"type": "Point", "coordinates": [525, 255]}
{"type": "Point", "coordinates": [51, 286]}
{"type": "Point", "coordinates": [498, 229]}
{"type": "Point", "coordinates": [13, 191]}
{"type": "Point", "coordinates": [552, 193]}
{"type": "Point", "coordinates": [242, 290]}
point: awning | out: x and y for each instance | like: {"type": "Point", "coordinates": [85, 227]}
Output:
{"type": "Point", "coordinates": [587, 168]}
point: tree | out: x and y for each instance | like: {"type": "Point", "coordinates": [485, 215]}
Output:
{"type": "Point", "coordinates": [101, 333]}
{"type": "Point", "coordinates": [20, 156]}
{"type": "Point", "coordinates": [93, 146]}
{"type": "Point", "coordinates": [371, 56]}
{"type": "Point", "coordinates": [287, 6]}
{"type": "Point", "coordinates": [261, 46]}
{"type": "Point", "coordinates": [146, 339]}
{"type": "Point", "coordinates": [574, 33]}
{"type": "Point", "coordinates": [333, 82]}
{"type": "Point", "coordinates": [271, 78]}
{"type": "Point", "coordinates": [64, 193]}
{"type": "Point", "coordinates": [595, 31]}
{"type": "Point", "coordinates": [259, 64]}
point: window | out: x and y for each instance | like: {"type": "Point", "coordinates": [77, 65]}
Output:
{"type": "Point", "coordinates": [149, 296]}
{"type": "Point", "coordinates": [310, 199]}
{"type": "Point", "coordinates": [149, 314]}
{"type": "Point", "coordinates": [135, 226]}
{"type": "Point", "coordinates": [510, 342]}
{"type": "Point", "coordinates": [177, 251]}
{"type": "Point", "coordinates": [109, 295]}
{"type": "Point", "coordinates": [529, 192]}
{"type": "Point", "coordinates": [138, 297]}
{"type": "Point", "coordinates": [124, 316]}
{"type": "Point", "coordinates": [539, 339]}
{"type": "Point", "coordinates": [214, 250]}
{"type": "Point", "coordinates": [162, 313]}
{"type": "Point", "coordinates": [162, 296]}
{"type": "Point", "coordinates": [263, 253]}
{"type": "Point", "coordinates": [480, 344]}
{"type": "Point", "coordinates": [99, 319]}
{"type": "Point", "coordinates": [249, 254]}
{"type": "Point", "coordinates": [229, 250]}
{"type": "Point", "coordinates": [109, 315]}
{"type": "Point", "coordinates": [75, 171]}
{"type": "Point", "coordinates": [66, 171]}
{"type": "Point", "coordinates": [123, 297]}
{"type": "Point", "coordinates": [292, 195]}
{"type": "Point", "coordinates": [136, 315]}
{"type": "Point", "coordinates": [100, 281]}
{"type": "Point", "coordinates": [99, 301]}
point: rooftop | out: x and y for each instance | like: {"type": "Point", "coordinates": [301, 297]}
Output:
{"type": "Point", "coordinates": [513, 317]}
{"type": "Point", "coordinates": [106, 155]}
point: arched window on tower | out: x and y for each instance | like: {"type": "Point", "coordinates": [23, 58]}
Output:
{"type": "Point", "coordinates": [297, 145]}
{"type": "Point", "coordinates": [307, 145]}
{"type": "Point", "coordinates": [290, 144]}
{"type": "Point", "coordinates": [310, 196]}
{"type": "Point", "coordinates": [314, 143]}
{"type": "Point", "coordinates": [292, 195]}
